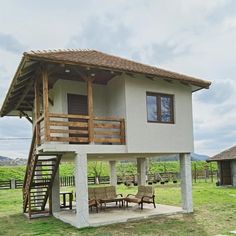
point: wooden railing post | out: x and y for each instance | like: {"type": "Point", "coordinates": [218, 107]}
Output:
{"type": "Point", "coordinates": [45, 104]}
{"type": "Point", "coordinates": [122, 131]}
{"type": "Point", "coordinates": [90, 110]}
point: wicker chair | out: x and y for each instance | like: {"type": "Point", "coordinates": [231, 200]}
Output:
{"type": "Point", "coordinates": [145, 194]}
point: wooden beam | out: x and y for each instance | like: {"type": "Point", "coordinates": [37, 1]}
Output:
{"type": "Point", "coordinates": [27, 89]}
{"type": "Point", "coordinates": [26, 116]}
{"type": "Point", "coordinates": [122, 131]}
{"type": "Point", "coordinates": [37, 110]}
{"type": "Point", "coordinates": [45, 103]}
{"type": "Point", "coordinates": [49, 99]}
{"type": "Point", "coordinates": [90, 109]}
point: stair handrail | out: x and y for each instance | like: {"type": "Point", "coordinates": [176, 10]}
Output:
{"type": "Point", "coordinates": [32, 147]}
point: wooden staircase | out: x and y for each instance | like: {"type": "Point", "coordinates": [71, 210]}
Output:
{"type": "Point", "coordinates": [39, 177]}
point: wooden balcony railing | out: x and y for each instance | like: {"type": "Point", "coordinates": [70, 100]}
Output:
{"type": "Point", "coordinates": [74, 129]}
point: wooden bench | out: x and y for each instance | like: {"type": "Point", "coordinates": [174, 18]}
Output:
{"type": "Point", "coordinates": [145, 194]}
{"type": "Point", "coordinates": [105, 195]}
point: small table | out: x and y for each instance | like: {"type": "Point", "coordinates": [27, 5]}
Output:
{"type": "Point", "coordinates": [64, 202]}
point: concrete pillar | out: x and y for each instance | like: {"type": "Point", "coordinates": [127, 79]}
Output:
{"type": "Point", "coordinates": [186, 181]}
{"type": "Point", "coordinates": [233, 172]}
{"type": "Point", "coordinates": [56, 193]}
{"type": "Point", "coordinates": [81, 188]}
{"type": "Point", "coordinates": [13, 183]}
{"type": "Point", "coordinates": [113, 176]}
{"type": "Point", "coordinates": [141, 169]}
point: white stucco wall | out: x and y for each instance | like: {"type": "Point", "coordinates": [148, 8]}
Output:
{"type": "Point", "coordinates": [64, 87]}
{"type": "Point", "coordinates": [156, 137]}
{"type": "Point", "coordinates": [125, 97]}
{"type": "Point", "coordinates": [116, 97]}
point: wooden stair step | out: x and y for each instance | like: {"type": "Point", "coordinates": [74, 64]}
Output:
{"type": "Point", "coordinates": [40, 184]}
{"type": "Point", "coordinates": [43, 174]}
{"type": "Point", "coordinates": [52, 159]}
{"type": "Point", "coordinates": [40, 212]}
{"type": "Point", "coordinates": [38, 187]}
{"type": "Point", "coordinates": [41, 191]}
{"type": "Point", "coordinates": [36, 204]}
{"type": "Point", "coordinates": [42, 165]}
{"type": "Point", "coordinates": [37, 197]}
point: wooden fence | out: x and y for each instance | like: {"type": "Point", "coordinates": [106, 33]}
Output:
{"type": "Point", "coordinates": [11, 184]}
{"type": "Point", "coordinates": [161, 177]}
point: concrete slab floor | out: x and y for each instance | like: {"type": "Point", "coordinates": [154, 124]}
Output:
{"type": "Point", "coordinates": [114, 214]}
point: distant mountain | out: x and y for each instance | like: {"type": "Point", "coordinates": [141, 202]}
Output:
{"type": "Point", "coordinates": [198, 157]}
{"type": "Point", "coordinates": [194, 157]}
{"type": "Point", "coordinates": [6, 161]}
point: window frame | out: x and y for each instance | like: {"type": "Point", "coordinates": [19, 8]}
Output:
{"type": "Point", "coordinates": [158, 108]}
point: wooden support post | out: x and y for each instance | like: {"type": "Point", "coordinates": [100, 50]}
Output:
{"type": "Point", "coordinates": [37, 111]}
{"type": "Point", "coordinates": [45, 105]}
{"type": "Point", "coordinates": [122, 131]}
{"type": "Point", "coordinates": [90, 110]}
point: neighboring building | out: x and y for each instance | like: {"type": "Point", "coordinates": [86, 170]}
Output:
{"type": "Point", "coordinates": [88, 105]}
{"type": "Point", "coordinates": [226, 162]}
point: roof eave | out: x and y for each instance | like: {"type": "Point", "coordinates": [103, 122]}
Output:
{"type": "Point", "coordinates": [200, 85]}
{"type": "Point", "coordinates": [19, 68]}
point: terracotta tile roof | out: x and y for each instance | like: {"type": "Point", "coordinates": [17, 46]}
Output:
{"type": "Point", "coordinates": [96, 58]}
{"type": "Point", "coordinates": [20, 94]}
{"type": "Point", "coordinates": [228, 154]}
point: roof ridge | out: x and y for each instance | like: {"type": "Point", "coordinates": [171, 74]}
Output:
{"type": "Point", "coordinates": [59, 50]}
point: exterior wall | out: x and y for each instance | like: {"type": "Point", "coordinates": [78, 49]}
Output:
{"type": "Point", "coordinates": [156, 137]}
{"type": "Point", "coordinates": [233, 172]}
{"type": "Point", "coordinates": [63, 87]}
{"type": "Point", "coordinates": [116, 97]}
{"type": "Point", "coordinates": [125, 97]}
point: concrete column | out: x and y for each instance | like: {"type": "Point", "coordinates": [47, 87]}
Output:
{"type": "Point", "coordinates": [81, 188]}
{"type": "Point", "coordinates": [141, 169]}
{"type": "Point", "coordinates": [186, 181]}
{"type": "Point", "coordinates": [233, 172]}
{"type": "Point", "coordinates": [113, 176]}
{"type": "Point", "coordinates": [13, 183]}
{"type": "Point", "coordinates": [56, 193]}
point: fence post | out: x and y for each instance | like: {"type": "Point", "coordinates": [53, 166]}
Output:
{"type": "Point", "coordinates": [13, 183]}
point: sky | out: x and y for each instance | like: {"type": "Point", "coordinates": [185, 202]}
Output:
{"type": "Point", "coordinates": [193, 37]}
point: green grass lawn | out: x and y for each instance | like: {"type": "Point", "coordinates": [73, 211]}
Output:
{"type": "Point", "coordinates": [214, 213]}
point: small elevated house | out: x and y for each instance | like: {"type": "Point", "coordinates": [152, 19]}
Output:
{"type": "Point", "coordinates": [87, 105]}
{"type": "Point", "coordinates": [226, 161]}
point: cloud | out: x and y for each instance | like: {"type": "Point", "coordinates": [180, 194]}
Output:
{"type": "Point", "coordinates": [192, 37]}
{"type": "Point", "coordinates": [104, 34]}
{"type": "Point", "coordinates": [13, 127]}
{"type": "Point", "coordinates": [9, 43]}
{"type": "Point", "coordinates": [219, 93]}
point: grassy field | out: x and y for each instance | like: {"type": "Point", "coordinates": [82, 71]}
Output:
{"type": "Point", "coordinates": [214, 213]}
{"type": "Point", "coordinates": [18, 172]}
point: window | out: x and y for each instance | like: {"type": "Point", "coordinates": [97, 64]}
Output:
{"type": "Point", "coordinates": [160, 108]}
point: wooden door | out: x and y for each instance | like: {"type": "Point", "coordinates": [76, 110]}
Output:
{"type": "Point", "coordinates": [225, 171]}
{"type": "Point", "coordinates": [77, 105]}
